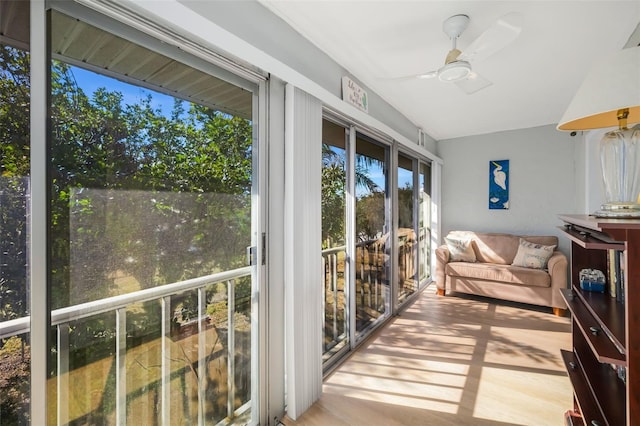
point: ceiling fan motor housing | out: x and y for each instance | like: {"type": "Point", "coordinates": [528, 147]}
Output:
{"type": "Point", "coordinates": [454, 70]}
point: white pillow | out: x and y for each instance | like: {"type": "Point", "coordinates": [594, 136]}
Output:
{"type": "Point", "coordinates": [532, 255]}
{"type": "Point", "coordinates": [460, 250]}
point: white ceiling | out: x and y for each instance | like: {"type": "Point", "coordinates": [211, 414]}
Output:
{"type": "Point", "coordinates": [534, 77]}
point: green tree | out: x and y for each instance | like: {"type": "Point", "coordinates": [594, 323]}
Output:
{"type": "Point", "coordinates": [370, 218]}
{"type": "Point", "coordinates": [14, 169]}
{"type": "Point", "coordinates": [334, 192]}
{"type": "Point", "coordinates": [14, 190]}
{"type": "Point", "coordinates": [333, 197]}
{"type": "Point", "coordinates": [14, 112]}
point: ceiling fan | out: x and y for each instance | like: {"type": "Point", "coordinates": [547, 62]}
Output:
{"type": "Point", "coordinates": [457, 65]}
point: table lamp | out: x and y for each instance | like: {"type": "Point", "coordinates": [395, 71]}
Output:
{"type": "Point", "coordinates": [608, 97]}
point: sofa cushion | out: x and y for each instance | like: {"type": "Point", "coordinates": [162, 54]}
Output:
{"type": "Point", "coordinates": [491, 247]}
{"type": "Point", "coordinates": [499, 248]}
{"type": "Point", "coordinates": [496, 248]}
{"type": "Point", "coordinates": [502, 273]}
{"type": "Point", "coordinates": [532, 255]}
{"type": "Point", "coordinates": [460, 249]}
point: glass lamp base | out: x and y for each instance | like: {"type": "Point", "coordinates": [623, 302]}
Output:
{"type": "Point", "coordinates": [619, 210]}
{"type": "Point", "coordinates": [620, 160]}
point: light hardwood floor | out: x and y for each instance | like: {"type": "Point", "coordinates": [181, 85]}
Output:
{"type": "Point", "coordinates": [453, 361]}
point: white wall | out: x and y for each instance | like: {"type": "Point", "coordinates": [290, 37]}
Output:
{"type": "Point", "coordinates": [546, 179]}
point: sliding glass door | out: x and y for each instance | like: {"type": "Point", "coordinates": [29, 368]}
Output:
{"type": "Point", "coordinates": [407, 241]}
{"type": "Point", "coordinates": [151, 180]}
{"type": "Point", "coordinates": [364, 257]}
{"type": "Point", "coordinates": [424, 223]}
{"type": "Point", "coordinates": [371, 233]}
{"type": "Point", "coordinates": [356, 245]}
{"type": "Point", "coordinates": [334, 242]}
{"type": "Point", "coordinates": [414, 225]}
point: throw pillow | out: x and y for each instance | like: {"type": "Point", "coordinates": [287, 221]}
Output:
{"type": "Point", "coordinates": [532, 255]}
{"type": "Point", "coordinates": [460, 250]}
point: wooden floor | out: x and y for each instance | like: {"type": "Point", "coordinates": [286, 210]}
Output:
{"type": "Point", "coordinates": [453, 361]}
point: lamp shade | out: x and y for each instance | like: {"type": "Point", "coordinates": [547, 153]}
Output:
{"type": "Point", "coordinates": [613, 84]}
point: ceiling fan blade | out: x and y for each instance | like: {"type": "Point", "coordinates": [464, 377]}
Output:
{"type": "Point", "coordinates": [430, 74]}
{"type": "Point", "coordinates": [473, 83]}
{"type": "Point", "coordinates": [504, 31]}
{"type": "Point", "coordinates": [426, 75]}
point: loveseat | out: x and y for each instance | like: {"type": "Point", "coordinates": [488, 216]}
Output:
{"type": "Point", "coordinates": [525, 269]}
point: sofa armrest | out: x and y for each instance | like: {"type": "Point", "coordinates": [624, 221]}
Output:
{"type": "Point", "coordinates": [442, 258]}
{"type": "Point", "coordinates": [558, 267]}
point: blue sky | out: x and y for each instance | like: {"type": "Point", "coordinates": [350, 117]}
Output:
{"type": "Point", "coordinates": [376, 174]}
{"type": "Point", "coordinates": [89, 82]}
{"type": "Point", "coordinates": [405, 178]}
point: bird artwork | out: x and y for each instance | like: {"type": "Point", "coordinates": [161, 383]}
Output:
{"type": "Point", "coordinates": [500, 177]}
{"type": "Point", "coordinates": [499, 184]}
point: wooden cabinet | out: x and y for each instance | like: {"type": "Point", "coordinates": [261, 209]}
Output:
{"type": "Point", "coordinates": [604, 365]}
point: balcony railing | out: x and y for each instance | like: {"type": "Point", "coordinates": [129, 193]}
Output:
{"type": "Point", "coordinates": [371, 287]}
{"type": "Point", "coordinates": [61, 320]}
{"type": "Point", "coordinates": [334, 330]}
{"type": "Point", "coordinates": [370, 290]}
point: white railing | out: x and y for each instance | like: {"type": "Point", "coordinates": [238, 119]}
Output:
{"type": "Point", "coordinates": [61, 318]}
{"type": "Point", "coordinates": [330, 287]}
{"type": "Point", "coordinates": [370, 270]}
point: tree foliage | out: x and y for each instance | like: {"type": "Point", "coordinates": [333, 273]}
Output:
{"type": "Point", "coordinates": [14, 167]}
{"type": "Point", "coordinates": [158, 197]}
{"type": "Point", "coordinates": [334, 181]}
{"type": "Point", "coordinates": [369, 207]}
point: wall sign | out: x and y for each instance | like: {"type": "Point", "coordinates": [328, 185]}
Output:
{"type": "Point", "coordinates": [499, 184]}
{"type": "Point", "coordinates": [354, 94]}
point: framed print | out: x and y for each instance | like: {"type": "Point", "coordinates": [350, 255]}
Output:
{"type": "Point", "coordinates": [499, 184]}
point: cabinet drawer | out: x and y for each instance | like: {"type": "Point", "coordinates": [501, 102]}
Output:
{"type": "Point", "coordinates": [581, 389]}
{"type": "Point", "coordinates": [599, 396]}
{"type": "Point", "coordinates": [597, 334]}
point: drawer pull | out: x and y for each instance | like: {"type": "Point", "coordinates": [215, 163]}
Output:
{"type": "Point", "coordinates": [572, 365]}
{"type": "Point", "coordinates": [594, 330]}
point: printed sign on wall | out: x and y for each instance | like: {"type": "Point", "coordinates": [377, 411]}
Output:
{"type": "Point", "coordinates": [354, 94]}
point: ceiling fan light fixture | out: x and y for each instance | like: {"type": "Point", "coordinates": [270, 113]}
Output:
{"type": "Point", "coordinates": [454, 71]}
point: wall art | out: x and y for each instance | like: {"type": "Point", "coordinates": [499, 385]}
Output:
{"type": "Point", "coordinates": [499, 184]}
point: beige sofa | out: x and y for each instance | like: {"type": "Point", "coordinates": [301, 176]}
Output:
{"type": "Point", "coordinates": [493, 275]}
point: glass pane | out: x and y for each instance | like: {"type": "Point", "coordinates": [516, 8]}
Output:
{"type": "Point", "coordinates": [372, 248]}
{"type": "Point", "coordinates": [407, 244]}
{"type": "Point", "coordinates": [333, 237]}
{"type": "Point", "coordinates": [424, 222]}
{"type": "Point", "coordinates": [143, 362]}
{"type": "Point", "coordinates": [84, 389]}
{"type": "Point", "coordinates": [150, 184]}
{"type": "Point", "coordinates": [186, 333]}
{"type": "Point", "coordinates": [241, 325]}
{"type": "Point", "coordinates": [15, 352]}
